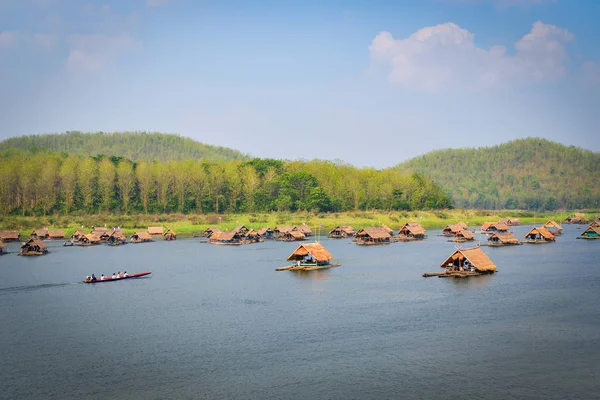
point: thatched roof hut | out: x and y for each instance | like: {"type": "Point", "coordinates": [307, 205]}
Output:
{"type": "Point", "coordinates": [464, 236]}
{"type": "Point", "coordinates": [591, 232]}
{"type": "Point", "coordinates": [266, 233]}
{"type": "Point", "coordinates": [577, 218]}
{"type": "Point", "coordinates": [155, 230]}
{"type": "Point", "coordinates": [411, 231]}
{"type": "Point", "coordinates": [510, 221]}
{"type": "Point", "coordinates": [209, 231]}
{"type": "Point", "coordinates": [452, 230]}
{"type": "Point", "coordinates": [469, 259]}
{"type": "Point", "coordinates": [387, 229]}
{"type": "Point", "coordinates": [40, 233]}
{"type": "Point", "coordinates": [140, 237]}
{"type": "Point", "coordinates": [553, 227]}
{"type": "Point", "coordinates": [242, 230]}
{"type": "Point", "coordinates": [503, 239]}
{"type": "Point", "coordinates": [9, 236]}
{"type": "Point", "coordinates": [304, 229]}
{"type": "Point", "coordinates": [252, 236]}
{"type": "Point", "coordinates": [462, 225]}
{"type": "Point", "coordinates": [311, 253]}
{"type": "Point", "coordinates": [230, 237]}
{"type": "Point", "coordinates": [90, 239]}
{"type": "Point", "coordinates": [34, 247]}
{"type": "Point", "coordinates": [494, 227]}
{"type": "Point", "coordinates": [539, 235]}
{"type": "Point", "coordinates": [116, 237]}
{"type": "Point", "coordinates": [56, 234]}
{"type": "Point", "coordinates": [341, 231]}
{"type": "Point", "coordinates": [292, 236]}
{"type": "Point", "coordinates": [170, 234]}
{"type": "Point", "coordinates": [77, 235]}
{"type": "Point", "coordinates": [374, 235]}
{"type": "Point", "coordinates": [281, 230]}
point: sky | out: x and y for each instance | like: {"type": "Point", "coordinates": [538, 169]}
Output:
{"type": "Point", "coordinates": [369, 82]}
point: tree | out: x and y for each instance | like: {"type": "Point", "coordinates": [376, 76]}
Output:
{"type": "Point", "coordinates": [144, 176]}
{"type": "Point", "coordinates": [86, 181]}
{"type": "Point", "coordinates": [125, 182]}
{"type": "Point", "coordinates": [106, 182]}
{"type": "Point", "coordinates": [68, 180]}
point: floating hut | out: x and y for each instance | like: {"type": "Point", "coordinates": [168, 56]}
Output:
{"type": "Point", "coordinates": [34, 247]}
{"type": "Point", "coordinates": [553, 227]}
{"type": "Point", "coordinates": [292, 236]}
{"type": "Point", "coordinates": [502, 239]}
{"type": "Point", "coordinates": [155, 230]}
{"type": "Point", "coordinates": [577, 218]}
{"type": "Point", "coordinates": [209, 231]}
{"type": "Point", "coordinates": [510, 221]}
{"type": "Point", "coordinates": [304, 229]}
{"type": "Point", "coordinates": [372, 236]}
{"type": "Point", "coordinates": [241, 230]}
{"type": "Point", "coordinates": [342, 231]}
{"type": "Point", "coordinates": [387, 229]}
{"type": "Point", "coordinates": [140, 237]}
{"type": "Point", "coordinates": [463, 236]}
{"type": "Point", "coordinates": [491, 227]}
{"type": "Point", "coordinates": [411, 231]}
{"type": "Point", "coordinates": [77, 235]}
{"type": "Point", "coordinates": [98, 230]}
{"type": "Point", "coordinates": [40, 234]}
{"type": "Point", "coordinates": [266, 233]}
{"type": "Point", "coordinates": [9, 236]}
{"type": "Point", "coordinates": [89, 240]}
{"type": "Point", "coordinates": [281, 230]}
{"type": "Point", "coordinates": [591, 232]}
{"type": "Point", "coordinates": [56, 234]}
{"type": "Point", "coordinates": [464, 263]}
{"type": "Point", "coordinates": [252, 236]}
{"type": "Point", "coordinates": [116, 238]}
{"type": "Point", "coordinates": [228, 238]}
{"type": "Point", "coordinates": [2, 247]}
{"type": "Point", "coordinates": [309, 257]}
{"type": "Point", "coordinates": [452, 230]}
{"type": "Point", "coordinates": [539, 235]}
{"type": "Point", "coordinates": [595, 224]}
{"type": "Point", "coordinates": [170, 235]}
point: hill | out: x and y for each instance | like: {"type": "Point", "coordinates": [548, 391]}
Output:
{"type": "Point", "coordinates": [532, 174]}
{"type": "Point", "coordinates": [135, 146]}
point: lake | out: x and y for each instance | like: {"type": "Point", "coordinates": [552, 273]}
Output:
{"type": "Point", "coordinates": [218, 322]}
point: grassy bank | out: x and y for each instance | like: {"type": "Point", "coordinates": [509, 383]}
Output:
{"type": "Point", "coordinates": [192, 224]}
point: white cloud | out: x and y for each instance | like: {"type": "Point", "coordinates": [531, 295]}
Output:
{"type": "Point", "coordinates": [95, 52]}
{"type": "Point", "coordinates": [8, 38]}
{"type": "Point", "coordinates": [445, 56]}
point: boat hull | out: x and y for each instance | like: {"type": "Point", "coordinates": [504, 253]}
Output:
{"type": "Point", "coordinates": [120, 279]}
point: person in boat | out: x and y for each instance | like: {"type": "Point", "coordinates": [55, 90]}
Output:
{"type": "Point", "coordinates": [93, 279]}
{"type": "Point", "coordinates": [119, 274]}
{"type": "Point", "coordinates": [102, 278]}
{"type": "Point", "coordinates": [114, 276]}
{"type": "Point", "coordinates": [88, 279]}
{"type": "Point", "coordinates": [125, 274]}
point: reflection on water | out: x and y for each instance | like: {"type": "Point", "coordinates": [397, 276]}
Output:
{"type": "Point", "coordinates": [472, 282]}
{"type": "Point", "coordinates": [318, 275]}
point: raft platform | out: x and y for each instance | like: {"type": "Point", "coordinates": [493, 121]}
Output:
{"type": "Point", "coordinates": [306, 267]}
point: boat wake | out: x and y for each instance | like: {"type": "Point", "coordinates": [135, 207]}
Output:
{"type": "Point", "coordinates": [34, 287]}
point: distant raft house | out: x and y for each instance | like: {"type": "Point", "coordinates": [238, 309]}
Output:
{"type": "Point", "coordinates": [89, 239]}
{"type": "Point", "coordinates": [226, 238]}
{"type": "Point", "coordinates": [140, 237]}
{"type": "Point", "coordinates": [10, 236]}
{"type": "Point", "coordinates": [411, 231]}
{"type": "Point", "coordinates": [281, 230]}
{"type": "Point", "coordinates": [309, 257]}
{"type": "Point", "coordinates": [341, 231]}
{"type": "Point", "coordinates": [510, 221]}
{"type": "Point", "coordinates": [464, 263]}
{"type": "Point", "coordinates": [577, 218]}
{"type": "Point", "coordinates": [45, 233]}
{"type": "Point", "coordinates": [491, 227]}
{"type": "Point", "coordinates": [155, 230]}
{"type": "Point", "coordinates": [34, 247]}
{"type": "Point", "coordinates": [241, 230]}
{"type": "Point", "coordinates": [209, 231]}
{"type": "Point", "coordinates": [538, 236]}
{"type": "Point", "coordinates": [252, 236]}
{"type": "Point", "coordinates": [372, 236]}
{"type": "Point", "coordinates": [553, 227]}
{"type": "Point", "coordinates": [77, 235]}
{"type": "Point", "coordinates": [292, 236]}
{"type": "Point", "coordinates": [170, 235]}
{"type": "Point", "coordinates": [266, 233]}
{"type": "Point", "coordinates": [591, 232]}
{"type": "Point", "coordinates": [463, 236]}
{"type": "Point", "coordinates": [502, 239]}
{"type": "Point", "coordinates": [452, 230]}
{"type": "Point", "coordinates": [116, 238]}
{"type": "Point", "coordinates": [304, 229]}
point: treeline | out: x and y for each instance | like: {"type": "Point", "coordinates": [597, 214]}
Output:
{"type": "Point", "coordinates": [41, 182]}
{"type": "Point", "coordinates": [527, 174]}
{"type": "Point", "coordinates": [135, 146]}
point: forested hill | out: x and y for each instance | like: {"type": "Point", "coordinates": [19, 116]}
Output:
{"type": "Point", "coordinates": [135, 146]}
{"type": "Point", "coordinates": [530, 173]}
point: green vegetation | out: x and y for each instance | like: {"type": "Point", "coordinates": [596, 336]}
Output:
{"type": "Point", "coordinates": [530, 174]}
{"type": "Point", "coordinates": [41, 183]}
{"type": "Point", "coordinates": [195, 224]}
{"type": "Point", "coordinates": [135, 146]}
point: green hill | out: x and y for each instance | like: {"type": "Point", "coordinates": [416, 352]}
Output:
{"type": "Point", "coordinates": [135, 146]}
{"type": "Point", "coordinates": [532, 174]}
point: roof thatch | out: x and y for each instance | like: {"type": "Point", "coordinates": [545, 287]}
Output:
{"type": "Point", "coordinates": [91, 237]}
{"type": "Point", "coordinates": [475, 255]}
{"type": "Point", "coordinates": [388, 229]}
{"type": "Point", "coordinates": [373, 232]}
{"type": "Point", "coordinates": [541, 231]}
{"type": "Point", "coordinates": [224, 236]}
{"type": "Point", "coordinates": [40, 232]}
{"type": "Point", "coordinates": [412, 230]}
{"type": "Point", "coordinates": [34, 242]}
{"type": "Point", "coordinates": [169, 232]}
{"type": "Point", "coordinates": [99, 229]}
{"type": "Point", "coordinates": [56, 234]}
{"type": "Point", "coordinates": [78, 233]}
{"type": "Point", "coordinates": [262, 231]}
{"type": "Point", "coordinates": [591, 231]}
{"type": "Point", "coordinates": [453, 228]}
{"type": "Point", "coordinates": [552, 224]}
{"type": "Point", "coordinates": [141, 235]}
{"type": "Point", "coordinates": [303, 228]}
{"type": "Point", "coordinates": [486, 225]}
{"type": "Point", "coordinates": [155, 230]}
{"type": "Point", "coordinates": [319, 253]}
{"type": "Point", "coordinates": [296, 235]}
{"type": "Point", "coordinates": [283, 228]}
{"type": "Point", "coordinates": [467, 234]}
{"type": "Point", "coordinates": [504, 237]}
{"type": "Point", "coordinates": [242, 229]}
{"type": "Point", "coordinates": [462, 224]}
{"type": "Point", "coordinates": [9, 235]}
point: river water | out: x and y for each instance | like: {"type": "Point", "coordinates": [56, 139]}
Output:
{"type": "Point", "coordinates": [218, 322]}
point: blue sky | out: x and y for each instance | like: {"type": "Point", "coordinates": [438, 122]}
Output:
{"type": "Point", "coordinates": [370, 82]}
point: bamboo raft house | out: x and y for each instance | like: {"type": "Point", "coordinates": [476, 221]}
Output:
{"type": "Point", "coordinates": [464, 263]}
{"type": "Point", "coordinates": [77, 235]}
{"type": "Point", "coordinates": [281, 230]}
{"type": "Point", "coordinates": [463, 236]}
{"type": "Point", "coordinates": [140, 237]}
{"type": "Point", "coordinates": [10, 236]}
{"type": "Point", "coordinates": [266, 233]}
{"type": "Point", "coordinates": [292, 236]}
{"type": "Point", "coordinates": [538, 236]}
{"type": "Point", "coordinates": [411, 231]}
{"type": "Point", "coordinates": [387, 229]}
{"type": "Point", "coordinates": [226, 238]}
{"type": "Point", "coordinates": [116, 238]}
{"type": "Point", "coordinates": [553, 227]}
{"type": "Point", "coordinates": [493, 227]}
{"type": "Point", "coordinates": [502, 239]}
{"type": "Point", "coordinates": [241, 230]}
{"type": "Point", "coordinates": [40, 234]}
{"type": "Point", "coordinates": [309, 257]}
{"type": "Point", "coordinates": [341, 232]}
{"type": "Point", "coordinates": [577, 218]}
{"type": "Point", "coordinates": [170, 235]}
{"type": "Point", "coordinates": [304, 229]}
{"type": "Point", "coordinates": [510, 221]}
{"type": "Point", "coordinates": [252, 236]}
{"type": "Point", "coordinates": [155, 230]}
{"type": "Point", "coordinates": [372, 236]}
{"type": "Point", "coordinates": [34, 247]}
{"type": "Point", "coordinates": [209, 231]}
{"type": "Point", "coordinates": [591, 232]}
{"type": "Point", "coordinates": [89, 239]}
{"type": "Point", "coordinates": [452, 230]}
